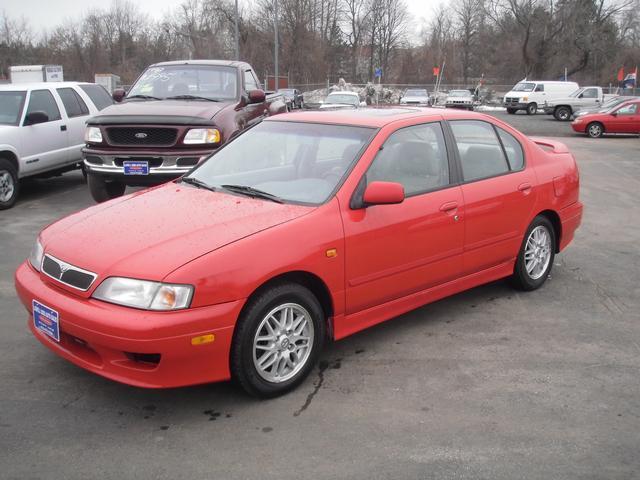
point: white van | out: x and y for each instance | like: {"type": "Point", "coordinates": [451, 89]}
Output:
{"type": "Point", "coordinates": [530, 94]}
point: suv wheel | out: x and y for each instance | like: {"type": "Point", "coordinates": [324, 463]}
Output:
{"type": "Point", "coordinates": [9, 184]}
{"type": "Point", "coordinates": [102, 189]}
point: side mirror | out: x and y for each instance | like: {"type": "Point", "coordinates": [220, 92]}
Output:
{"type": "Point", "coordinates": [33, 118]}
{"type": "Point", "coordinates": [118, 94]}
{"type": "Point", "coordinates": [614, 114]}
{"type": "Point", "coordinates": [581, 95]}
{"type": "Point", "coordinates": [383, 193]}
{"type": "Point", "coordinates": [257, 96]}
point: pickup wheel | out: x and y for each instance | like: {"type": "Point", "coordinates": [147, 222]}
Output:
{"type": "Point", "coordinates": [511, 111]}
{"type": "Point", "coordinates": [532, 108]}
{"type": "Point", "coordinates": [562, 113]}
{"type": "Point", "coordinates": [277, 340]}
{"type": "Point", "coordinates": [9, 184]}
{"type": "Point", "coordinates": [102, 189]}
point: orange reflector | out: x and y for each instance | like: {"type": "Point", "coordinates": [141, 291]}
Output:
{"type": "Point", "coordinates": [202, 339]}
{"type": "Point", "coordinates": [332, 252]}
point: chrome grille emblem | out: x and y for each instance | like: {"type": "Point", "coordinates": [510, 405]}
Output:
{"type": "Point", "coordinates": [141, 135]}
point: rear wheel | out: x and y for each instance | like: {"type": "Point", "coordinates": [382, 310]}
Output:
{"type": "Point", "coordinates": [536, 255]}
{"type": "Point", "coordinates": [511, 111]}
{"type": "Point", "coordinates": [595, 130]}
{"type": "Point", "coordinates": [277, 340]}
{"type": "Point", "coordinates": [102, 189]}
{"type": "Point", "coordinates": [562, 113]}
{"type": "Point", "coordinates": [9, 184]}
{"type": "Point", "coordinates": [532, 109]}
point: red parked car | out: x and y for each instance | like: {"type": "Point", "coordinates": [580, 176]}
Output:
{"type": "Point", "coordinates": [307, 226]}
{"type": "Point", "coordinates": [623, 118]}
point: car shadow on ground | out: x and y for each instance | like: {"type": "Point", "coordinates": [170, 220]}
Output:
{"type": "Point", "coordinates": [42, 188]}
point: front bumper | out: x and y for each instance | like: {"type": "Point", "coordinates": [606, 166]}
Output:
{"type": "Point", "coordinates": [468, 106]}
{"type": "Point", "coordinates": [579, 126]}
{"type": "Point", "coordinates": [119, 342]}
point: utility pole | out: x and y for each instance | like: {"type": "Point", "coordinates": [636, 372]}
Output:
{"type": "Point", "coordinates": [236, 32]}
{"type": "Point", "coordinates": [275, 25]}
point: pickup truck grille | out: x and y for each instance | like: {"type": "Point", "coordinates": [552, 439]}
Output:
{"type": "Point", "coordinates": [511, 101]}
{"type": "Point", "coordinates": [133, 136]}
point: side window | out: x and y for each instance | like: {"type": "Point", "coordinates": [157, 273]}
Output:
{"type": "Point", "coordinates": [628, 110]}
{"type": "Point", "coordinates": [415, 157]}
{"type": "Point", "coordinates": [512, 147]}
{"type": "Point", "coordinates": [480, 152]}
{"type": "Point", "coordinates": [250, 82]}
{"type": "Point", "coordinates": [590, 93]}
{"type": "Point", "coordinates": [73, 104]}
{"type": "Point", "coordinates": [98, 95]}
{"type": "Point", "coordinates": [540, 88]}
{"type": "Point", "coordinates": [42, 101]}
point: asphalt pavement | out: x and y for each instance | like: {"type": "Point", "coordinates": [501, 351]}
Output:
{"type": "Point", "coordinates": [491, 383]}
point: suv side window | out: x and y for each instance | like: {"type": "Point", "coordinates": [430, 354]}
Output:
{"type": "Point", "coordinates": [415, 157]}
{"type": "Point", "coordinates": [98, 95]}
{"type": "Point", "coordinates": [481, 154]}
{"type": "Point", "coordinates": [73, 104]}
{"type": "Point", "coordinates": [512, 148]}
{"type": "Point", "coordinates": [42, 101]}
{"type": "Point", "coordinates": [540, 88]}
{"type": "Point", "coordinates": [250, 82]}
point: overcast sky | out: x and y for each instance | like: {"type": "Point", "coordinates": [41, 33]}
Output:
{"type": "Point", "coordinates": [46, 14]}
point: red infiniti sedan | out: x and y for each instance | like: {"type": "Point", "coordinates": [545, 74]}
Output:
{"type": "Point", "coordinates": [307, 227]}
{"type": "Point", "coordinates": [623, 118]}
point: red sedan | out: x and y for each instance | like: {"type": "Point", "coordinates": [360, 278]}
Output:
{"type": "Point", "coordinates": [623, 118]}
{"type": "Point", "coordinates": [308, 226]}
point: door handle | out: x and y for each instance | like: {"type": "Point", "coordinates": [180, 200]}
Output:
{"type": "Point", "coordinates": [63, 128]}
{"type": "Point", "coordinates": [524, 187]}
{"type": "Point", "coordinates": [447, 207]}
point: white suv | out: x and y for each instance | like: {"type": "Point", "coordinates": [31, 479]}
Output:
{"type": "Point", "coordinates": [42, 130]}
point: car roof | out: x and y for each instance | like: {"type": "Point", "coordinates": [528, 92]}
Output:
{"type": "Point", "coordinates": [375, 117]}
{"type": "Point", "coordinates": [11, 87]}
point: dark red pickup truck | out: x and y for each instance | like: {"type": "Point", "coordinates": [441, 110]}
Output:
{"type": "Point", "coordinates": [174, 115]}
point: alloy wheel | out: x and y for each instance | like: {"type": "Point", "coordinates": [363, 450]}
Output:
{"type": "Point", "coordinates": [537, 253]}
{"type": "Point", "coordinates": [7, 186]}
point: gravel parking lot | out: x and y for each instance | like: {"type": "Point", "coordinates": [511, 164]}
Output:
{"type": "Point", "coordinates": [491, 383]}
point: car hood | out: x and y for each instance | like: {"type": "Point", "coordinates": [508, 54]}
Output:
{"type": "Point", "coordinates": [466, 99]}
{"type": "Point", "coordinates": [415, 99]}
{"type": "Point", "coordinates": [151, 233]}
{"type": "Point", "coordinates": [162, 111]}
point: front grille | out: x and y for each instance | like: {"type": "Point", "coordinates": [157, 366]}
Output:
{"type": "Point", "coordinates": [511, 101]}
{"type": "Point", "coordinates": [141, 136]}
{"type": "Point", "coordinates": [66, 273]}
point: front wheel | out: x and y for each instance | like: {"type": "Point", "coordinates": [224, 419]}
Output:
{"type": "Point", "coordinates": [9, 184]}
{"type": "Point", "coordinates": [562, 113]}
{"type": "Point", "coordinates": [595, 130]}
{"type": "Point", "coordinates": [536, 255]}
{"type": "Point", "coordinates": [511, 111]}
{"type": "Point", "coordinates": [277, 340]}
{"type": "Point", "coordinates": [102, 189]}
{"type": "Point", "coordinates": [532, 109]}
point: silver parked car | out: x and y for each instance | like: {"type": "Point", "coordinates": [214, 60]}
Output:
{"type": "Point", "coordinates": [459, 99]}
{"type": "Point", "coordinates": [415, 96]}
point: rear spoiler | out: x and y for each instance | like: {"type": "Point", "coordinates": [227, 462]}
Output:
{"type": "Point", "coordinates": [547, 144]}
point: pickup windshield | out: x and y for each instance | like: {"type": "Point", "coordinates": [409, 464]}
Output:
{"type": "Point", "coordinates": [187, 82]}
{"type": "Point", "coordinates": [11, 107]}
{"type": "Point", "coordinates": [341, 98]}
{"type": "Point", "coordinates": [524, 87]}
{"type": "Point", "coordinates": [285, 161]}
{"type": "Point", "coordinates": [459, 93]}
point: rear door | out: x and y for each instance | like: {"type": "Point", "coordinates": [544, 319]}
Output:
{"type": "Point", "coordinates": [498, 191]}
{"type": "Point", "coordinates": [627, 119]}
{"type": "Point", "coordinates": [77, 113]}
{"type": "Point", "coordinates": [45, 144]}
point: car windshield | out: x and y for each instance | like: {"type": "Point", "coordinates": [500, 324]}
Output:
{"type": "Point", "coordinates": [289, 161]}
{"type": "Point", "coordinates": [11, 107]}
{"type": "Point", "coordinates": [524, 87]}
{"type": "Point", "coordinates": [214, 82]}
{"type": "Point", "coordinates": [459, 93]}
{"type": "Point", "coordinates": [416, 93]}
{"type": "Point", "coordinates": [609, 104]}
{"type": "Point", "coordinates": [577, 92]}
{"type": "Point", "coordinates": [343, 98]}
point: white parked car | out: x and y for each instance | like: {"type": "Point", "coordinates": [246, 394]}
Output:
{"type": "Point", "coordinates": [529, 95]}
{"type": "Point", "coordinates": [42, 130]}
{"type": "Point", "coordinates": [342, 100]}
{"type": "Point", "coordinates": [459, 99]}
{"type": "Point", "coordinates": [415, 96]}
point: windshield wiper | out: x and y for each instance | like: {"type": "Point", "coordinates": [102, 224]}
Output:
{"type": "Point", "coordinates": [197, 183]}
{"type": "Point", "coordinates": [191, 97]}
{"type": "Point", "coordinates": [252, 192]}
{"type": "Point", "coordinates": [144, 97]}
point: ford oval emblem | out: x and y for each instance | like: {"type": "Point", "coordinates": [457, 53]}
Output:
{"type": "Point", "coordinates": [141, 135]}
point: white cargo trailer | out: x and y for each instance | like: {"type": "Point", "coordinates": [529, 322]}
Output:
{"type": "Point", "coordinates": [108, 80]}
{"type": "Point", "coordinates": [36, 73]}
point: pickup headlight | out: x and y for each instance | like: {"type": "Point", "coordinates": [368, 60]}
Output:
{"type": "Point", "coordinates": [93, 135]}
{"type": "Point", "coordinates": [202, 136]}
{"type": "Point", "coordinates": [144, 294]}
{"type": "Point", "coordinates": [35, 258]}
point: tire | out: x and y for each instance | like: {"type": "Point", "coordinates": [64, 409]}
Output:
{"type": "Point", "coordinates": [595, 130]}
{"type": "Point", "coordinates": [260, 318]}
{"type": "Point", "coordinates": [103, 190]}
{"type": "Point", "coordinates": [536, 255]}
{"type": "Point", "coordinates": [532, 108]}
{"type": "Point", "coordinates": [562, 114]}
{"type": "Point", "coordinates": [9, 184]}
{"type": "Point", "coordinates": [511, 111]}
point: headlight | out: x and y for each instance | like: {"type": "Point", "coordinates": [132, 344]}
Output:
{"type": "Point", "coordinates": [35, 258]}
{"type": "Point", "coordinates": [93, 135]}
{"type": "Point", "coordinates": [199, 136]}
{"type": "Point", "coordinates": [144, 294]}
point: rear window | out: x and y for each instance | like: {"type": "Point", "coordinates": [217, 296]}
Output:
{"type": "Point", "coordinates": [73, 104]}
{"type": "Point", "coordinates": [98, 95]}
{"type": "Point", "coordinates": [481, 154]}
